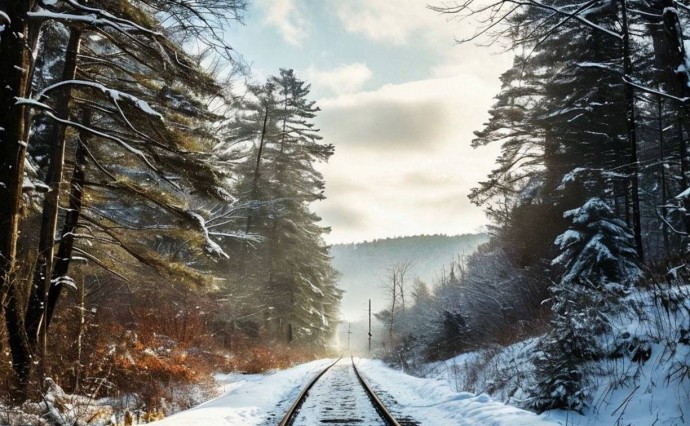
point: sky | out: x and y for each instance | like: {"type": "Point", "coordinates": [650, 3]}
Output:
{"type": "Point", "coordinates": [399, 100]}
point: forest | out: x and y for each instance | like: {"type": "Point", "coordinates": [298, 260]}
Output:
{"type": "Point", "coordinates": [157, 221]}
{"type": "Point", "coordinates": [146, 203]}
{"type": "Point", "coordinates": [589, 208]}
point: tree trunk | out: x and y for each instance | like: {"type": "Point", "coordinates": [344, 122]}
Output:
{"type": "Point", "coordinates": [14, 83]}
{"type": "Point", "coordinates": [393, 300]}
{"type": "Point", "coordinates": [670, 54]}
{"type": "Point", "coordinates": [662, 172]}
{"type": "Point", "coordinates": [69, 228]}
{"type": "Point", "coordinates": [257, 169]}
{"type": "Point", "coordinates": [632, 132]}
{"type": "Point", "coordinates": [683, 148]}
{"type": "Point", "coordinates": [36, 326]}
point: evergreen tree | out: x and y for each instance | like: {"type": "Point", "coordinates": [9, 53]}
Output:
{"type": "Point", "coordinates": [599, 262]}
{"type": "Point", "coordinates": [560, 120]}
{"type": "Point", "coordinates": [290, 265]}
{"type": "Point", "coordinates": [125, 103]}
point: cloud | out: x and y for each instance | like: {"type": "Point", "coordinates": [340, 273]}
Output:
{"type": "Point", "coordinates": [413, 117]}
{"type": "Point", "coordinates": [340, 80]}
{"type": "Point", "coordinates": [342, 216]}
{"type": "Point", "coordinates": [386, 124]}
{"type": "Point", "coordinates": [405, 22]}
{"type": "Point", "coordinates": [287, 17]}
{"type": "Point", "coordinates": [345, 185]}
{"type": "Point", "coordinates": [428, 178]}
{"type": "Point", "coordinates": [403, 158]}
{"type": "Point", "coordinates": [394, 22]}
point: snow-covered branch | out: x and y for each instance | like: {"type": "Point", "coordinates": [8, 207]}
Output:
{"type": "Point", "coordinates": [646, 89]}
{"type": "Point", "coordinates": [94, 17]}
{"type": "Point", "coordinates": [211, 246]}
{"type": "Point", "coordinates": [95, 132]}
{"type": "Point", "coordinates": [112, 94]}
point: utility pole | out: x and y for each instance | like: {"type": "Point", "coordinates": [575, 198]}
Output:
{"type": "Point", "coordinates": [349, 325]}
{"type": "Point", "coordinates": [369, 352]}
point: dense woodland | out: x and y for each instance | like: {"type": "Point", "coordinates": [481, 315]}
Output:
{"type": "Point", "coordinates": [154, 210]}
{"type": "Point", "coordinates": [150, 201]}
{"type": "Point", "coordinates": [589, 200]}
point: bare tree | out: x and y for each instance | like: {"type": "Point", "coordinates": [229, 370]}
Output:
{"type": "Point", "coordinates": [395, 284]}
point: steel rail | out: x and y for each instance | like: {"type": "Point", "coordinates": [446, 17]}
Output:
{"type": "Point", "coordinates": [381, 409]}
{"type": "Point", "coordinates": [378, 405]}
{"type": "Point", "coordinates": [302, 396]}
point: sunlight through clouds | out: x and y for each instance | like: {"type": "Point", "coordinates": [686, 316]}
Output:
{"type": "Point", "coordinates": [400, 101]}
{"type": "Point", "coordinates": [395, 22]}
{"type": "Point", "coordinates": [403, 158]}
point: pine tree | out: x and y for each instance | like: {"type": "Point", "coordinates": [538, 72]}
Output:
{"type": "Point", "coordinates": [599, 260]}
{"type": "Point", "coordinates": [291, 264]}
{"type": "Point", "coordinates": [119, 97]}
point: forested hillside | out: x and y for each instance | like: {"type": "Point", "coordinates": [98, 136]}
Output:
{"type": "Point", "coordinates": [363, 267]}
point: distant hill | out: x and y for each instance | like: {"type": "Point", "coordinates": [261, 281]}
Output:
{"type": "Point", "coordinates": [363, 265]}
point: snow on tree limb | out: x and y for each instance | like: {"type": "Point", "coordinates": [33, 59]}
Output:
{"type": "Point", "coordinates": [684, 100]}
{"type": "Point", "coordinates": [113, 95]}
{"type": "Point", "coordinates": [95, 17]}
{"type": "Point", "coordinates": [112, 17]}
{"type": "Point", "coordinates": [95, 132]}
{"type": "Point", "coordinates": [211, 246]}
{"type": "Point", "coordinates": [684, 194]}
{"type": "Point", "coordinates": [4, 19]}
{"type": "Point", "coordinates": [32, 103]}
{"type": "Point", "coordinates": [65, 281]}
{"type": "Point", "coordinates": [679, 4]}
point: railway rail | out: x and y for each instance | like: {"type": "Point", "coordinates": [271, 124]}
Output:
{"type": "Point", "coordinates": [339, 395]}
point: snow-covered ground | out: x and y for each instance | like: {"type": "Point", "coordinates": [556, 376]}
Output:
{"type": "Point", "coordinates": [337, 397]}
{"type": "Point", "coordinates": [250, 399]}
{"type": "Point", "coordinates": [624, 391]}
{"type": "Point", "coordinates": [433, 402]}
{"type": "Point", "coordinates": [645, 398]}
{"type": "Point", "coordinates": [486, 387]}
{"type": "Point", "coordinates": [262, 399]}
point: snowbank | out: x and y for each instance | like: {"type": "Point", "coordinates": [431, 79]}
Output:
{"type": "Point", "coordinates": [252, 399]}
{"type": "Point", "coordinates": [432, 401]}
{"type": "Point", "coordinates": [647, 383]}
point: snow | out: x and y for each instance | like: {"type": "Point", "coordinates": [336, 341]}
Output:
{"type": "Point", "coordinates": [4, 20]}
{"type": "Point", "coordinates": [114, 95]}
{"type": "Point", "coordinates": [65, 281]}
{"type": "Point", "coordinates": [28, 185]}
{"type": "Point", "coordinates": [624, 391]}
{"type": "Point", "coordinates": [431, 401]}
{"type": "Point", "coordinates": [91, 19]}
{"type": "Point", "coordinates": [251, 399]}
{"type": "Point", "coordinates": [262, 399]}
{"type": "Point", "coordinates": [684, 194]}
{"type": "Point", "coordinates": [32, 103]}
{"type": "Point", "coordinates": [337, 396]}
{"type": "Point", "coordinates": [211, 246]}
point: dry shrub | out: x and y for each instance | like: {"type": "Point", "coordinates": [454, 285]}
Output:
{"type": "Point", "coordinates": [262, 358]}
{"type": "Point", "coordinates": [146, 349]}
{"type": "Point", "coordinates": [150, 366]}
{"type": "Point", "coordinates": [139, 370]}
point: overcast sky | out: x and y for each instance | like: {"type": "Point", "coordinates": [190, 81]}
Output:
{"type": "Point", "coordinates": [399, 101]}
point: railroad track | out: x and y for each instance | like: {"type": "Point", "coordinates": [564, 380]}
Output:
{"type": "Point", "coordinates": [339, 395]}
